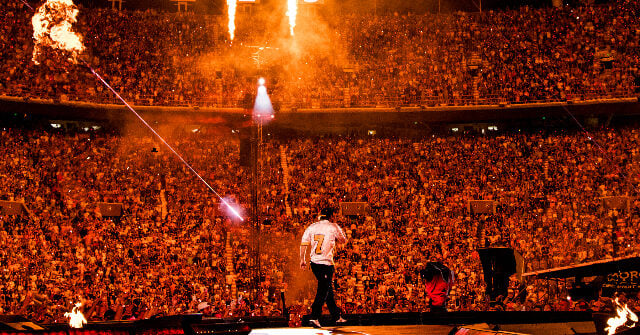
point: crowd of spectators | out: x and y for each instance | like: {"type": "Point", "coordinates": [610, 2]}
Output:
{"type": "Point", "coordinates": [168, 253]}
{"type": "Point", "coordinates": [514, 56]}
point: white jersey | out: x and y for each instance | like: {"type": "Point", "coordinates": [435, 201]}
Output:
{"type": "Point", "coordinates": [322, 237]}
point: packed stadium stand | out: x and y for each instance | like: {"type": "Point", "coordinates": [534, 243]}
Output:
{"type": "Point", "coordinates": [517, 56]}
{"type": "Point", "coordinates": [547, 186]}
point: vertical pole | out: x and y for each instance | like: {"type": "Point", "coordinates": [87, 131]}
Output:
{"type": "Point", "coordinates": [614, 228]}
{"type": "Point", "coordinates": [258, 212]}
{"type": "Point", "coordinates": [256, 167]}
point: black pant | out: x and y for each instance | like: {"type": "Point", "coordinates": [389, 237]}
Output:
{"type": "Point", "coordinates": [324, 274]}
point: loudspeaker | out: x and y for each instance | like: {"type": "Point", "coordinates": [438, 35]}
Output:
{"type": "Point", "coordinates": [615, 202]}
{"type": "Point", "coordinates": [353, 208]}
{"type": "Point", "coordinates": [498, 264]}
{"type": "Point", "coordinates": [109, 209]}
{"type": "Point", "coordinates": [481, 206]}
{"type": "Point", "coordinates": [13, 208]}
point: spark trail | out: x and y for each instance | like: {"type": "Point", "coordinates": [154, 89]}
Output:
{"type": "Point", "coordinates": [231, 209]}
{"type": "Point", "coordinates": [52, 25]}
{"type": "Point", "coordinates": [27, 4]}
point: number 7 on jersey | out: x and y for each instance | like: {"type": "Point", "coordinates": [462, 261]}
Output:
{"type": "Point", "coordinates": [319, 238]}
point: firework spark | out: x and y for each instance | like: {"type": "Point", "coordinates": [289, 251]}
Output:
{"type": "Point", "coordinates": [292, 12]}
{"type": "Point", "coordinates": [231, 9]}
{"type": "Point", "coordinates": [52, 27]}
{"type": "Point", "coordinates": [227, 204]}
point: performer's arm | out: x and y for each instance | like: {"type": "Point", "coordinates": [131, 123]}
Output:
{"type": "Point", "coordinates": [303, 255]}
{"type": "Point", "coordinates": [304, 245]}
{"type": "Point", "coordinates": [340, 236]}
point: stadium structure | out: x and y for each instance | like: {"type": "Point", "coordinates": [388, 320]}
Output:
{"type": "Point", "coordinates": [159, 168]}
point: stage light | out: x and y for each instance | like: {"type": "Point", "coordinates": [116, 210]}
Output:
{"type": "Point", "coordinates": [262, 107]}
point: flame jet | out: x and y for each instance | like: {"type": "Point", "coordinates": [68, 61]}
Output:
{"type": "Point", "coordinates": [231, 10]}
{"type": "Point", "coordinates": [292, 13]}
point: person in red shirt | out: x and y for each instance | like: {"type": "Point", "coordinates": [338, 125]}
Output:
{"type": "Point", "coordinates": [438, 282]}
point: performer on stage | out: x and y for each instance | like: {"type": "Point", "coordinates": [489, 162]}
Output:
{"type": "Point", "coordinates": [321, 237]}
{"type": "Point", "coordinates": [439, 280]}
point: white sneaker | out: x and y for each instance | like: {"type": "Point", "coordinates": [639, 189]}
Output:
{"type": "Point", "coordinates": [341, 321]}
{"type": "Point", "coordinates": [315, 323]}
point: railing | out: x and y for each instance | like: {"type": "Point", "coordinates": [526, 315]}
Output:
{"type": "Point", "coordinates": [363, 101]}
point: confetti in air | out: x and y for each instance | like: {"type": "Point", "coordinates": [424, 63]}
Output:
{"type": "Point", "coordinates": [76, 318]}
{"type": "Point", "coordinates": [231, 9]}
{"type": "Point", "coordinates": [52, 27]}
{"type": "Point", "coordinates": [292, 12]}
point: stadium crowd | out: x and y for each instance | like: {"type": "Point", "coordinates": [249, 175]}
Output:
{"type": "Point", "coordinates": [516, 56]}
{"type": "Point", "coordinates": [175, 250]}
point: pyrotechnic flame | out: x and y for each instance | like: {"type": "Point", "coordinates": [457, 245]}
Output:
{"type": "Point", "coordinates": [231, 9]}
{"type": "Point", "coordinates": [292, 12]}
{"type": "Point", "coordinates": [52, 28]}
{"type": "Point", "coordinates": [76, 318]}
{"type": "Point", "coordinates": [625, 315]}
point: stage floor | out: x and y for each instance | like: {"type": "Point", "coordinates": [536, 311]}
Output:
{"type": "Point", "coordinates": [394, 330]}
{"type": "Point", "coordinates": [359, 330]}
{"type": "Point", "coordinates": [568, 328]}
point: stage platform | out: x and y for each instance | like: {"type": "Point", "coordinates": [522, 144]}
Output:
{"type": "Point", "coordinates": [359, 330]}
{"type": "Point", "coordinates": [426, 323]}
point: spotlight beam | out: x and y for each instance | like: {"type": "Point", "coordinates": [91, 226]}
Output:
{"type": "Point", "coordinates": [163, 141]}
